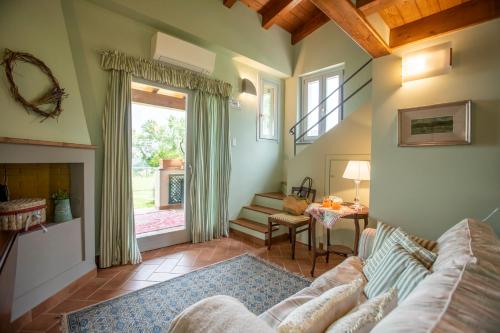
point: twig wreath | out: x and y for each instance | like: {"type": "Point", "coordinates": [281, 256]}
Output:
{"type": "Point", "coordinates": [53, 96]}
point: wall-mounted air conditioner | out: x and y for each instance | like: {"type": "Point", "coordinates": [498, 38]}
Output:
{"type": "Point", "coordinates": [180, 53]}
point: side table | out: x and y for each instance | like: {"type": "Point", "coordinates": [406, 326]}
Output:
{"type": "Point", "coordinates": [361, 214]}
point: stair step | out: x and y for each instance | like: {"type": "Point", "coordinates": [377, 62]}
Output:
{"type": "Point", "coordinates": [272, 195]}
{"type": "Point", "coordinates": [259, 227]}
{"type": "Point", "coordinates": [262, 209]}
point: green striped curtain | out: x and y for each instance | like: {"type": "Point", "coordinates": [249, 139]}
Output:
{"type": "Point", "coordinates": [118, 242]}
{"type": "Point", "coordinates": [211, 166]}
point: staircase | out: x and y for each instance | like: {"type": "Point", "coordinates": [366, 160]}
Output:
{"type": "Point", "coordinates": [253, 218]}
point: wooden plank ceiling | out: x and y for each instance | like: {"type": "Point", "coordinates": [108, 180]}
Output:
{"type": "Point", "coordinates": [407, 20]}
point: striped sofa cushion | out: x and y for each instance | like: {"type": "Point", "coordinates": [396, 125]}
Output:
{"type": "Point", "coordinates": [398, 237]}
{"type": "Point", "coordinates": [463, 292]}
{"type": "Point", "coordinates": [413, 274]}
{"type": "Point", "coordinates": [384, 230]}
{"type": "Point", "coordinates": [388, 271]}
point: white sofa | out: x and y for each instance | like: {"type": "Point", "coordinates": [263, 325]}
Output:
{"type": "Point", "coordinates": [461, 295]}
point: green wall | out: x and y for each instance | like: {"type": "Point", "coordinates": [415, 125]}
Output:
{"type": "Point", "coordinates": [426, 190]}
{"type": "Point", "coordinates": [327, 46]}
{"type": "Point", "coordinates": [69, 34]}
{"type": "Point", "coordinates": [39, 28]}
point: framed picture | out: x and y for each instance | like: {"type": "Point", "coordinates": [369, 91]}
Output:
{"type": "Point", "coordinates": [435, 125]}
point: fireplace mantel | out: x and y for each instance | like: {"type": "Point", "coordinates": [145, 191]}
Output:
{"type": "Point", "coordinates": [48, 262]}
{"type": "Point", "coordinates": [19, 141]}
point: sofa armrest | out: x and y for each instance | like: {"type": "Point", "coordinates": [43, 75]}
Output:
{"type": "Point", "coordinates": [218, 314]}
{"type": "Point", "coordinates": [366, 243]}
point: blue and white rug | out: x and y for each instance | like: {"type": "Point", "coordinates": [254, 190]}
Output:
{"type": "Point", "coordinates": [256, 283]}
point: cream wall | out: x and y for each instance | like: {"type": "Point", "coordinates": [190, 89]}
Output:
{"type": "Point", "coordinates": [39, 28]}
{"type": "Point", "coordinates": [427, 190]}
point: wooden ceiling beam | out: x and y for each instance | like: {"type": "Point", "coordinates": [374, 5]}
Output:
{"type": "Point", "coordinates": [352, 21]}
{"type": "Point", "coordinates": [146, 97]}
{"type": "Point", "coordinates": [229, 3]}
{"type": "Point", "coordinates": [273, 9]}
{"type": "Point", "coordinates": [454, 18]}
{"type": "Point", "coordinates": [373, 6]}
{"type": "Point", "coordinates": [309, 27]}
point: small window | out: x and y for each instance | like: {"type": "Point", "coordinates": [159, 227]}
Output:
{"type": "Point", "coordinates": [316, 88]}
{"type": "Point", "coordinates": [267, 122]}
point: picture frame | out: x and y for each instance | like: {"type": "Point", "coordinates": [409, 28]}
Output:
{"type": "Point", "coordinates": [435, 125]}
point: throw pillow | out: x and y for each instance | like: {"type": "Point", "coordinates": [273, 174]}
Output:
{"type": "Point", "coordinates": [410, 278]}
{"type": "Point", "coordinates": [398, 237]}
{"type": "Point", "coordinates": [317, 314]}
{"type": "Point", "coordinates": [385, 230]}
{"type": "Point", "coordinates": [386, 274]}
{"type": "Point", "coordinates": [365, 316]}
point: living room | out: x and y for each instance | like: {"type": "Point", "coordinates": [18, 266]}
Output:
{"type": "Point", "coordinates": [208, 166]}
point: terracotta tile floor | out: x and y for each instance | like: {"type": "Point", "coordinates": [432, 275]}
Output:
{"type": "Point", "coordinates": [166, 263]}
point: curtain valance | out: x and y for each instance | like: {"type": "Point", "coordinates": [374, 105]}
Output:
{"type": "Point", "coordinates": [157, 71]}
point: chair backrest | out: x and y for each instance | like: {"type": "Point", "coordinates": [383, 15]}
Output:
{"type": "Point", "coordinates": [311, 196]}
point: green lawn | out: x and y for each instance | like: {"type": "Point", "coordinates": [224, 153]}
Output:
{"type": "Point", "coordinates": [143, 190]}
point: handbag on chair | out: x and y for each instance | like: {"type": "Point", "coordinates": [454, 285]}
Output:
{"type": "Point", "coordinates": [296, 204]}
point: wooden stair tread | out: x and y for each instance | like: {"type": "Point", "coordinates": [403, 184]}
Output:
{"type": "Point", "coordinates": [272, 195]}
{"type": "Point", "coordinates": [262, 209]}
{"type": "Point", "coordinates": [260, 227]}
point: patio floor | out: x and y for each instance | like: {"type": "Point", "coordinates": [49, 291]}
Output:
{"type": "Point", "coordinates": [148, 220]}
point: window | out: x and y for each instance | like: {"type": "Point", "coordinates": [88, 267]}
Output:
{"type": "Point", "coordinates": [267, 122]}
{"type": "Point", "coordinates": [315, 88]}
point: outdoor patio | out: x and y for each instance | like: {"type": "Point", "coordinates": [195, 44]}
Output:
{"type": "Point", "coordinates": [150, 219]}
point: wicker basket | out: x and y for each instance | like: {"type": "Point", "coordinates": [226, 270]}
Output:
{"type": "Point", "coordinates": [20, 214]}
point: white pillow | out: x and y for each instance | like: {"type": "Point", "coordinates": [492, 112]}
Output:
{"type": "Point", "coordinates": [317, 314]}
{"type": "Point", "coordinates": [364, 317]}
{"type": "Point", "coordinates": [218, 314]}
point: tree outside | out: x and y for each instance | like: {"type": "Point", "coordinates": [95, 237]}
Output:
{"type": "Point", "coordinates": [157, 133]}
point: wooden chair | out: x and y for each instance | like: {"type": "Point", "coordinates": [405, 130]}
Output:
{"type": "Point", "coordinates": [292, 222]}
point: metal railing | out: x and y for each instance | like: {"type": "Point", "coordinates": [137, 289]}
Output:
{"type": "Point", "coordinates": [299, 124]}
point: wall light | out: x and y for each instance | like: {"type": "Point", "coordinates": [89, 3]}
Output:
{"type": "Point", "coordinates": [435, 60]}
{"type": "Point", "coordinates": [248, 87]}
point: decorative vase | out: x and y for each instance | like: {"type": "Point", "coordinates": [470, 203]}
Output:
{"type": "Point", "coordinates": [62, 211]}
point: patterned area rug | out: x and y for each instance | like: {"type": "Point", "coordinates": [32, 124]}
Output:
{"type": "Point", "coordinates": [256, 283]}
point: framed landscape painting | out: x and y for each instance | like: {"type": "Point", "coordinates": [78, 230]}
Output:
{"type": "Point", "coordinates": [435, 125]}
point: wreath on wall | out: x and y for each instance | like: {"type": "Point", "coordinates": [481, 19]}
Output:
{"type": "Point", "coordinates": [53, 96]}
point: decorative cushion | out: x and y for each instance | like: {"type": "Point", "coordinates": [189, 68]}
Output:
{"type": "Point", "coordinates": [398, 237]}
{"type": "Point", "coordinates": [385, 230]}
{"type": "Point", "coordinates": [366, 240]}
{"type": "Point", "coordinates": [388, 271]}
{"type": "Point", "coordinates": [344, 273]}
{"type": "Point", "coordinates": [290, 218]}
{"type": "Point", "coordinates": [317, 314]}
{"type": "Point", "coordinates": [218, 314]}
{"type": "Point", "coordinates": [365, 316]}
{"type": "Point", "coordinates": [463, 292]}
{"type": "Point", "coordinates": [468, 241]}
{"type": "Point", "coordinates": [412, 275]}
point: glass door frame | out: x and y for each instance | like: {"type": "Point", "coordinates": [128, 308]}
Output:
{"type": "Point", "coordinates": [177, 235]}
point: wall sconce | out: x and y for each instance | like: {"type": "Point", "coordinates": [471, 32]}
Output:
{"type": "Point", "coordinates": [248, 87]}
{"type": "Point", "coordinates": [435, 60]}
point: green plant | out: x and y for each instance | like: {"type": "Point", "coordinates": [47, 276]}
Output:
{"type": "Point", "coordinates": [60, 195]}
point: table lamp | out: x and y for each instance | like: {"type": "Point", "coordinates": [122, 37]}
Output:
{"type": "Point", "coordinates": [357, 171]}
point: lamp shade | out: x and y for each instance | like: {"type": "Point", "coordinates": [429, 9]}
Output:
{"type": "Point", "coordinates": [357, 170]}
{"type": "Point", "coordinates": [248, 87]}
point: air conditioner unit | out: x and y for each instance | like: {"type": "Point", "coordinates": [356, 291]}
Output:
{"type": "Point", "coordinates": [180, 53]}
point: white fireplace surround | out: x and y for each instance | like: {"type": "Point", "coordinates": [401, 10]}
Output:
{"type": "Point", "coordinates": [48, 262]}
